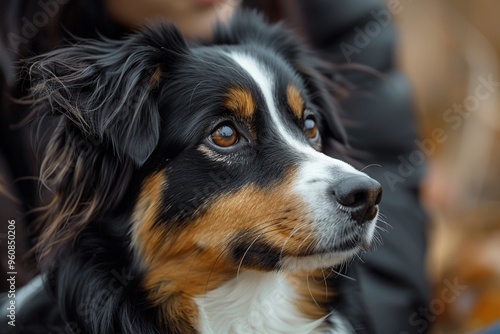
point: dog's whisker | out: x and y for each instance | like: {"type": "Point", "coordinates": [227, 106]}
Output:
{"type": "Point", "coordinates": [243, 257]}
{"type": "Point", "coordinates": [370, 165]}
{"type": "Point", "coordinates": [310, 292]}
{"type": "Point", "coordinates": [342, 275]}
{"type": "Point", "coordinates": [306, 240]}
{"type": "Point", "coordinates": [360, 258]}
{"type": "Point", "coordinates": [384, 222]}
{"type": "Point", "coordinates": [211, 270]}
{"type": "Point", "coordinates": [295, 229]}
{"type": "Point", "coordinates": [377, 238]}
{"type": "Point", "coordinates": [325, 282]}
{"type": "Point", "coordinates": [381, 229]}
{"type": "Point", "coordinates": [267, 215]}
{"type": "Point", "coordinates": [192, 93]}
{"type": "Point", "coordinates": [382, 215]}
{"type": "Point", "coordinates": [311, 244]}
{"type": "Point", "coordinates": [327, 275]}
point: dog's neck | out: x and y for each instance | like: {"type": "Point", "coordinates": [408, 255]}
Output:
{"type": "Point", "coordinates": [225, 301]}
{"type": "Point", "coordinates": [257, 302]}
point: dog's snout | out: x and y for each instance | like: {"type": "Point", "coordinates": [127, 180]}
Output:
{"type": "Point", "coordinates": [360, 194]}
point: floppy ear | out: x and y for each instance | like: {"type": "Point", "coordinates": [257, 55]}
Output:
{"type": "Point", "coordinates": [249, 27]}
{"type": "Point", "coordinates": [106, 88]}
{"type": "Point", "coordinates": [104, 96]}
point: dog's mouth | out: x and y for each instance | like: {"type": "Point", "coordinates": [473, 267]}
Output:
{"type": "Point", "coordinates": [263, 256]}
{"type": "Point", "coordinates": [352, 243]}
{"type": "Point", "coordinates": [355, 238]}
{"type": "Point", "coordinates": [346, 244]}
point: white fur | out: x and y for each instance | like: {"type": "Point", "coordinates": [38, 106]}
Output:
{"type": "Point", "coordinates": [341, 325]}
{"type": "Point", "coordinates": [296, 264]}
{"type": "Point", "coordinates": [314, 176]}
{"type": "Point", "coordinates": [265, 81]}
{"type": "Point", "coordinates": [213, 155]}
{"type": "Point", "coordinates": [313, 182]}
{"type": "Point", "coordinates": [257, 303]}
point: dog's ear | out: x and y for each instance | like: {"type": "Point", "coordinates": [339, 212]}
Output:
{"type": "Point", "coordinates": [107, 88]}
{"type": "Point", "coordinates": [104, 96]}
{"type": "Point", "coordinates": [250, 27]}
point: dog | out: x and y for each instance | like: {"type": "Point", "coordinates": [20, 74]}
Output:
{"type": "Point", "coordinates": [192, 189]}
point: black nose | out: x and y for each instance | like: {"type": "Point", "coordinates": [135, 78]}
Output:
{"type": "Point", "coordinates": [360, 194]}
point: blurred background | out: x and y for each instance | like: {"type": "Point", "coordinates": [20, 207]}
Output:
{"type": "Point", "coordinates": [447, 49]}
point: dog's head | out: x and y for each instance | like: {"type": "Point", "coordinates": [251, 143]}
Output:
{"type": "Point", "coordinates": [220, 147]}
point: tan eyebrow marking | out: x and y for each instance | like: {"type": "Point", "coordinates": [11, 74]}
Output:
{"type": "Point", "coordinates": [294, 100]}
{"type": "Point", "coordinates": [240, 101]}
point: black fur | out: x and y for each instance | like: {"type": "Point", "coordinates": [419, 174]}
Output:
{"type": "Point", "coordinates": [103, 88]}
{"type": "Point", "coordinates": [107, 93]}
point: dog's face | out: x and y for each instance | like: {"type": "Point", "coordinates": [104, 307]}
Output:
{"type": "Point", "coordinates": [227, 145]}
{"type": "Point", "coordinates": [242, 182]}
{"type": "Point", "coordinates": [247, 184]}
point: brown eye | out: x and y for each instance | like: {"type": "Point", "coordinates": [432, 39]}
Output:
{"type": "Point", "coordinates": [310, 128]}
{"type": "Point", "coordinates": [224, 136]}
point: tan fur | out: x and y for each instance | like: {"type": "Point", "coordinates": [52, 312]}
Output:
{"type": "Point", "coordinates": [240, 102]}
{"type": "Point", "coordinates": [295, 101]}
{"type": "Point", "coordinates": [55, 166]}
{"type": "Point", "coordinates": [314, 292]}
{"type": "Point", "coordinates": [188, 263]}
{"type": "Point", "coordinates": [154, 81]}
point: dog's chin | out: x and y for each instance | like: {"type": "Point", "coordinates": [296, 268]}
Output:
{"type": "Point", "coordinates": [317, 261]}
{"type": "Point", "coordinates": [336, 254]}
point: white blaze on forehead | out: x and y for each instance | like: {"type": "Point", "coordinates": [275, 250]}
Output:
{"type": "Point", "coordinates": [265, 81]}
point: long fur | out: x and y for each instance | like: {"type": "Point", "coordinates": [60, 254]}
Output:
{"type": "Point", "coordinates": [106, 96]}
{"type": "Point", "coordinates": [111, 124]}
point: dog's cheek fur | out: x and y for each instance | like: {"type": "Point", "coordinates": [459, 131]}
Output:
{"type": "Point", "coordinates": [180, 264]}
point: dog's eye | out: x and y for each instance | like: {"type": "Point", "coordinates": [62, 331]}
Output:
{"type": "Point", "coordinates": [224, 135]}
{"type": "Point", "coordinates": [311, 128]}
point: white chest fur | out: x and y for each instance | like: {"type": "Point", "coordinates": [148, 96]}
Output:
{"type": "Point", "coordinates": [257, 303]}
